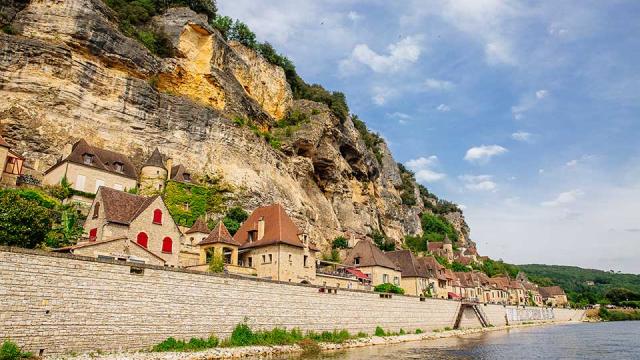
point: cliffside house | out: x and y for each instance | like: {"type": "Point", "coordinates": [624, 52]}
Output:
{"type": "Point", "coordinates": [531, 289]}
{"type": "Point", "coordinates": [370, 260]}
{"type": "Point", "coordinates": [157, 170]}
{"type": "Point", "coordinates": [144, 220]}
{"type": "Point", "coordinates": [189, 249]}
{"type": "Point", "coordinates": [115, 249]}
{"type": "Point", "coordinates": [553, 296]}
{"type": "Point", "coordinates": [87, 168]}
{"type": "Point", "coordinates": [438, 281]}
{"type": "Point", "coordinates": [414, 275]}
{"type": "Point", "coordinates": [12, 164]}
{"type": "Point", "coordinates": [270, 242]}
{"type": "Point", "coordinates": [444, 248]}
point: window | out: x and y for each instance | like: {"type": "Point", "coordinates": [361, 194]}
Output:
{"type": "Point", "coordinates": [270, 258]}
{"type": "Point", "coordinates": [99, 182]}
{"type": "Point", "coordinates": [157, 216]}
{"type": "Point", "coordinates": [356, 261]}
{"type": "Point", "coordinates": [290, 257]}
{"type": "Point", "coordinates": [87, 159]}
{"type": "Point", "coordinates": [385, 278]}
{"type": "Point", "coordinates": [93, 234]}
{"type": "Point", "coordinates": [143, 239]}
{"type": "Point", "coordinates": [264, 259]}
{"type": "Point", "coordinates": [250, 261]}
{"type": "Point", "coordinates": [396, 280]}
{"type": "Point", "coordinates": [80, 180]}
{"type": "Point", "coordinates": [119, 167]}
{"type": "Point", "coordinates": [167, 245]}
{"type": "Point", "coordinates": [252, 235]}
{"type": "Point", "coordinates": [96, 210]}
{"type": "Point", "coordinates": [304, 261]}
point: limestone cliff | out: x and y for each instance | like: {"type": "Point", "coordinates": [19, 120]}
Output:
{"type": "Point", "coordinates": [69, 74]}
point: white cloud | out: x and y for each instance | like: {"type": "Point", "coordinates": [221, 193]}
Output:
{"type": "Point", "coordinates": [400, 55]}
{"type": "Point", "coordinates": [423, 169]}
{"type": "Point", "coordinates": [439, 85]}
{"type": "Point", "coordinates": [575, 162]}
{"type": "Point", "coordinates": [541, 94]}
{"type": "Point", "coordinates": [572, 163]}
{"type": "Point", "coordinates": [564, 198]}
{"type": "Point", "coordinates": [527, 102]}
{"type": "Point", "coordinates": [540, 171]}
{"type": "Point", "coordinates": [499, 52]}
{"type": "Point", "coordinates": [521, 136]}
{"type": "Point", "coordinates": [479, 182]}
{"type": "Point", "coordinates": [400, 116]}
{"type": "Point", "coordinates": [354, 16]}
{"type": "Point", "coordinates": [382, 94]}
{"type": "Point", "coordinates": [443, 108]}
{"type": "Point", "coordinates": [482, 154]}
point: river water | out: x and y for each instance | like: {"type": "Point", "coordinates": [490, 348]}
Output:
{"type": "Point", "coordinates": [613, 340]}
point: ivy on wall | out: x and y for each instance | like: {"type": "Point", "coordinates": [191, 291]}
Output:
{"type": "Point", "coordinates": [188, 201]}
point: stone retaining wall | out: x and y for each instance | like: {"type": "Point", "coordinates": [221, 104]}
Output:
{"type": "Point", "coordinates": [61, 303]}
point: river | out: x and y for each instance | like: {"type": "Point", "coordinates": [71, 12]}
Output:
{"type": "Point", "coordinates": [612, 340]}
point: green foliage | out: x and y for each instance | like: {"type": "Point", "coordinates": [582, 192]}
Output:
{"type": "Point", "coordinates": [497, 267]}
{"type": "Point", "coordinates": [336, 336]}
{"type": "Point", "coordinates": [222, 24]}
{"type": "Point", "coordinates": [234, 218]}
{"type": "Point", "coordinates": [243, 335]}
{"type": "Point", "coordinates": [379, 331]}
{"type": "Point", "coordinates": [618, 295]}
{"type": "Point", "coordinates": [293, 118]}
{"type": "Point", "coordinates": [419, 331]}
{"type": "Point", "coordinates": [614, 315]}
{"type": "Point", "coordinates": [456, 266]}
{"type": "Point", "coordinates": [333, 256]}
{"type": "Point", "coordinates": [24, 223]}
{"type": "Point", "coordinates": [216, 264]}
{"type": "Point", "coordinates": [389, 288]}
{"type": "Point", "coordinates": [371, 140]}
{"type": "Point", "coordinates": [407, 189]}
{"type": "Point", "coordinates": [576, 281]}
{"type": "Point", "coordinates": [10, 351]}
{"type": "Point", "coordinates": [340, 242]}
{"type": "Point", "coordinates": [9, 30]}
{"type": "Point", "coordinates": [194, 344]}
{"type": "Point", "coordinates": [209, 197]}
{"type": "Point", "coordinates": [446, 328]}
{"type": "Point", "coordinates": [381, 241]}
{"type": "Point", "coordinates": [417, 244]}
{"type": "Point", "coordinates": [442, 261]}
{"type": "Point", "coordinates": [436, 227]}
{"type": "Point", "coordinates": [67, 230]}
{"type": "Point", "coordinates": [630, 304]}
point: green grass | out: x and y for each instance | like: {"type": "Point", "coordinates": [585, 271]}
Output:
{"type": "Point", "coordinates": [194, 344]}
{"type": "Point", "coordinates": [11, 351]}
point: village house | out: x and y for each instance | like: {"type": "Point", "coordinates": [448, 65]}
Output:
{"type": "Point", "coordinates": [119, 248]}
{"type": "Point", "coordinates": [379, 268]}
{"type": "Point", "coordinates": [189, 241]}
{"type": "Point", "coordinates": [145, 220]}
{"type": "Point", "coordinates": [157, 170]}
{"type": "Point", "coordinates": [87, 168]}
{"type": "Point", "coordinates": [414, 276]}
{"type": "Point", "coordinates": [553, 296]}
{"type": "Point", "coordinates": [443, 249]}
{"type": "Point", "coordinates": [437, 275]}
{"type": "Point", "coordinates": [272, 244]}
{"type": "Point", "coordinates": [219, 242]}
{"type": "Point", "coordinates": [12, 164]}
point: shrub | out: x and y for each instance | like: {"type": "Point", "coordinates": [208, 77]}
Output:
{"type": "Point", "coordinates": [402, 332]}
{"type": "Point", "coordinates": [216, 264]}
{"type": "Point", "coordinates": [235, 216]}
{"type": "Point", "coordinates": [379, 331]}
{"type": "Point", "coordinates": [333, 256]}
{"type": "Point", "coordinates": [242, 336]}
{"type": "Point", "coordinates": [419, 331]}
{"type": "Point", "coordinates": [447, 328]}
{"type": "Point", "coordinates": [10, 351]}
{"type": "Point", "coordinates": [23, 222]}
{"type": "Point", "coordinates": [381, 241]}
{"type": "Point", "coordinates": [362, 334]}
{"type": "Point", "coordinates": [340, 243]}
{"type": "Point", "coordinates": [389, 288]}
{"type": "Point", "coordinates": [194, 344]}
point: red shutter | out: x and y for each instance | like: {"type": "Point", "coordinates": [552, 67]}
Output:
{"type": "Point", "coordinates": [167, 245]}
{"type": "Point", "coordinates": [93, 234]}
{"type": "Point", "coordinates": [143, 239]}
{"type": "Point", "coordinates": [157, 216]}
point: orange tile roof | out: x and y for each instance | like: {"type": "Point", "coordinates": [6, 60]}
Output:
{"type": "Point", "coordinates": [200, 226]}
{"type": "Point", "coordinates": [369, 255]}
{"type": "Point", "coordinates": [219, 234]}
{"type": "Point", "coordinates": [278, 228]}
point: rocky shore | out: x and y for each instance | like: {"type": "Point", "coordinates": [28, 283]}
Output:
{"type": "Point", "coordinates": [266, 352]}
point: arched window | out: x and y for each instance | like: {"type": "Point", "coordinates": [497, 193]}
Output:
{"type": "Point", "coordinates": [96, 210]}
{"type": "Point", "coordinates": [143, 239]}
{"type": "Point", "coordinates": [157, 216]}
{"type": "Point", "coordinates": [167, 245]}
{"type": "Point", "coordinates": [93, 234]}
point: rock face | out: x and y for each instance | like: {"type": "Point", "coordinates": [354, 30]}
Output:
{"type": "Point", "coordinates": [71, 74]}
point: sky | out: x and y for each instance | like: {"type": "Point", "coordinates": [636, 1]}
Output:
{"type": "Point", "coordinates": [527, 114]}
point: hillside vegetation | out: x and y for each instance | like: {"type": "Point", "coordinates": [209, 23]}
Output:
{"type": "Point", "coordinates": [577, 282]}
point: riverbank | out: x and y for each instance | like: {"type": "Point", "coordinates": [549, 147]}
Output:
{"type": "Point", "coordinates": [283, 350]}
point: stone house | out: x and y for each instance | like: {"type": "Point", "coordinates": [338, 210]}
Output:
{"type": "Point", "coordinates": [437, 276]}
{"type": "Point", "coordinates": [553, 296]}
{"type": "Point", "coordinates": [414, 276]}
{"type": "Point", "coordinates": [272, 244]}
{"type": "Point", "coordinates": [189, 249]}
{"type": "Point", "coordinates": [157, 170]}
{"type": "Point", "coordinates": [87, 168]}
{"type": "Point", "coordinates": [115, 249]}
{"type": "Point", "coordinates": [11, 164]}
{"type": "Point", "coordinates": [444, 248]}
{"type": "Point", "coordinates": [366, 257]}
{"type": "Point", "coordinates": [219, 242]}
{"type": "Point", "coordinates": [144, 220]}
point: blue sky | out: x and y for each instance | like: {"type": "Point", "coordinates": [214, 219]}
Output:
{"type": "Point", "coordinates": [525, 113]}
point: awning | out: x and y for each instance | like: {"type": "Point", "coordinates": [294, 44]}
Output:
{"type": "Point", "coordinates": [359, 274]}
{"type": "Point", "coordinates": [454, 296]}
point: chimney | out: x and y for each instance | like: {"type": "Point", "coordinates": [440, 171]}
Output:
{"type": "Point", "coordinates": [261, 228]}
{"type": "Point", "coordinates": [169, 166]}
{"type": "Point", "coordinates": [66, 151]}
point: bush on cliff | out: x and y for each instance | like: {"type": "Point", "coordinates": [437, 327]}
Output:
{"type": "Point", "coordinates": [389, 288]}
{"type": "Point", "coordinates": [340, 242]}
{"type": "Point", "coordinates": [10, 351]}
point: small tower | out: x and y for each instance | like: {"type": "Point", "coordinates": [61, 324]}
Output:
{"type": "Point", "coordinates": [153, 174]}
{"type": "Point", "coordinates": [447, 246]}
{"type": "Point", "coordinates": [198, 232]}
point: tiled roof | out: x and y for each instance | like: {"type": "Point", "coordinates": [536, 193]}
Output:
{"type": "Point", "coordinates": [96, 243]}
{"type": "Point", "coordinates": [407, 262]}
{"type": "Point", "coordinates": [219, 234]}
{"type": "Point", "coordinates": [101, 159]}
{"type": "Point", "coordinates": [200, 226]}
{"type": "Point", "coordinates": [432, 266]}
{"type": "Point", "coordinates": [369, 255]}
{"type": "Point", "coordinates": [3, 143]}
{"type": "Point", "coordinates": [550, 291]}
{"type": "Point", "coordinates": [121, 207]}
{"type": "Point", "coordinates": [180, 173]}
{"type": "Point", "coordinates": [156, 159]}
{"type": "Point", "coordinates": [278, 228]}
{"type": "Point", "coordinates": [433, 246]}
{"type": "Point", "coordinates": [446, 239]}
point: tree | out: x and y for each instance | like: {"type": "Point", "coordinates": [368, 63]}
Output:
{"type": "Point", "coordinates": [241, 33]}
{"type": "Point", "coordinates": [340, 243]}
{"type": "Point", "coordinates": [382, 242]}
{"type": "Point", "coordinates": [234, 218]}
{"type": "Point", "coordinates": [223, 24]}
{"type": "Point", "coordinates": [67, 231]}
{"type": "Point", "coordinates": [216, 264]}
{"type": "Point", "coordinates": [23, 223]}
{"type": "Point", "coordinates": [618, 295]}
